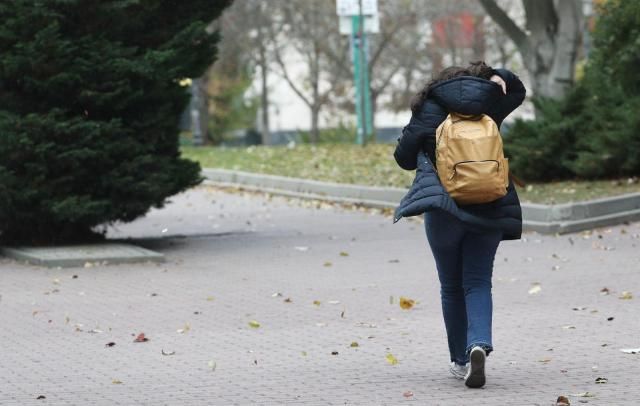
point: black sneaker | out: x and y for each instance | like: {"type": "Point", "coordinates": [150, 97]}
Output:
{"type": "Point", "coordinates": [475, 376]}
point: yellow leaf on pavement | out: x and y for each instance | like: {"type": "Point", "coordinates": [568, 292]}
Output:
{"type": "Point", "coordinates": [254, 324]}
{"type": "Point", "coordinates": [406, 303]}
{"type": "Point", "coordinates": [535, 289]}
{"type": "Point", "coordinates": [626, 295]}
{"type": "Point", "coordinates": [391, 359]}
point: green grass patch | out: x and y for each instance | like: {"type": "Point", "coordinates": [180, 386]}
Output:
{"type": "Point", "coordinates": [374, 165]}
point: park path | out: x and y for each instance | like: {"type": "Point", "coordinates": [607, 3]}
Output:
{"type": "Point", "coordinates": [316, 278]}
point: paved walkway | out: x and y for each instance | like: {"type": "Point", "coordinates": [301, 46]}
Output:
{"type": "Point", "coordinates": [249, 257]}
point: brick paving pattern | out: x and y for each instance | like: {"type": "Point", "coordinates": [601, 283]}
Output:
{"type": "Point", "coordinates": [235, 257]}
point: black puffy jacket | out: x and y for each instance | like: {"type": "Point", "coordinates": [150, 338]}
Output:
{"type": "Point", "coordinates": [416, 150]}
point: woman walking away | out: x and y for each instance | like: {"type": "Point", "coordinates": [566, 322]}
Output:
{"type": "Point", "coordinates": [463, 187]}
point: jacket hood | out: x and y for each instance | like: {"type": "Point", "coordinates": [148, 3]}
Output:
{"type": "Point", "coordinates": [466, 94]}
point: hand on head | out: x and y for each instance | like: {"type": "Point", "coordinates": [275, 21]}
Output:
{"type": "Point", "coordinates": [499, 81]}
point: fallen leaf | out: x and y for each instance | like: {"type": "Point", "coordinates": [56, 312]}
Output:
{"type": "Point", "coordinates": [406, 303]}
{"type": "Point", "coordinates": [631, 350]}
{"type": "Point", "coordinates": [563, 401]}
{"type": "Point", "coordinates": [210, 298]}
{"type": "Point", "coordinates": [328, 264]}
{"type": "Point", "coordinates": [141, 338]}
{"type": "Point", "coordinates": [535, 288]}
{"type": "Point", "coordinates": [584, 395]}
{"type": "Point", "coordinates": [316, 302]}
{"type": "Point", "coordinates": [363, 324]}
{"type": "Point", "coordinates": [167, 352]}
{"type": "Point", "coordinates": [626, 296]}
{"type": "Point", "coordinates": [344, 254]}
{"type": "Point", "coordinates": [254, 324]}
{"type": "Point", "coordinates": [355, 344]}
{"type": "Point", "coordinates": [116, 381]}
{"type": "Point", "coordinates": [391, 359]}
{"type": "Point", "coordinates": [110, 344]}
{"type": "Point", "coordinates": [601, 380]}
{"type": "Point", "coordinates": [212, 365]}
{"type": "Point", "coordinates": [304, 353]}
{"type": "Point", "coordinates": [185, 329]}
{"type": "Point", "coordinates": [407, 394]}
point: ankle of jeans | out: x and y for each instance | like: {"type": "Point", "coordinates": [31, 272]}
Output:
{"type": "Point", "coordinates": [460, 362]}
{"type": "Point", "coordinates": [488, 348]}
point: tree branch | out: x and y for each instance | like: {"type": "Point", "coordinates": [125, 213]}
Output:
{"type": "Point", "coordinates": [281, 64]}
{"type": "Point", "coordinates": [505, 22]}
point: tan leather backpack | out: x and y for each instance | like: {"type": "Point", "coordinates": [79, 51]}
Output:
{"type": "Point", "coordinates": [470, 159]}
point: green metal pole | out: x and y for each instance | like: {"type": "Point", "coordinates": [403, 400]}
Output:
{"type": "Point", "coordinates": [356, 44]}
{"type": "Point", "coordinates": [368, 113]}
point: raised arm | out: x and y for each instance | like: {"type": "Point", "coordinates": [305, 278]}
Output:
{"type": "Point", "coordinates": [509, 101]}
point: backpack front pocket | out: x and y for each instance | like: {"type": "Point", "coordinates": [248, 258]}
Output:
{"type": "Point", "coordinates": [476, 181]}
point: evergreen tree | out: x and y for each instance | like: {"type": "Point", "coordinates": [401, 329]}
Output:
{"type": "Point", "coordinates": [89, 107]}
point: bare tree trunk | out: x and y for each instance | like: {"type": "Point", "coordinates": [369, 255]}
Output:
{"type": "Point", "coordinates": [315, 131]}
{"type": "Point", "coordinates": [264, 105]}
{"type": "Point", "coordinates": [549, 48]}
{"type": "Point", "coordinates": [199, 111]}
{"type": "Point", "coordinates": [374, 108]}
{"type": "Point", "coordinates": [568, 38]}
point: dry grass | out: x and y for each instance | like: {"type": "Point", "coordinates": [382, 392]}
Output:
{"type": "Point", "coordinates": [374, 165]}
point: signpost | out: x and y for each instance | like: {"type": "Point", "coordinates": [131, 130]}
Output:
{"type": "Point", "coordinates": [363, 16]}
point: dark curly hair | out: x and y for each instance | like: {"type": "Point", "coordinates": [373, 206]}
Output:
{"type": "Point", "coordinates": [478, 69]}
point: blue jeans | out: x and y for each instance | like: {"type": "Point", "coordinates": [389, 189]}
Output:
{"type": "Point", "coordinates": [464, 260]}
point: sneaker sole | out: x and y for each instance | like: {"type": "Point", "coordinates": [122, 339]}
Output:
{"type": "Point", "coordinates": [476, 378]}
